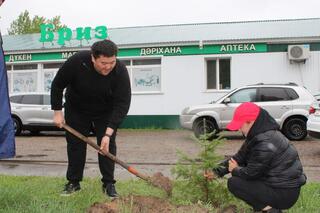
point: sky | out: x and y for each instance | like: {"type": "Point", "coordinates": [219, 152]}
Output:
{"type": "Point", "coordinates": [130, 13]}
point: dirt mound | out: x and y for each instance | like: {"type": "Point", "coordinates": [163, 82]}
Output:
{"type": "Point", "coordinates": [103, 208]}
{"type": "Point", "coordinates": [162, 182]}
{"type": "Point", "coordinates": [229, 209]}
{"type": "Point", "coordinates": [142, 204]}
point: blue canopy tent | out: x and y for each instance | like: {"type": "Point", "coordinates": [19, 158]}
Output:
{"type": "Point", "coordinates": [7, 142]}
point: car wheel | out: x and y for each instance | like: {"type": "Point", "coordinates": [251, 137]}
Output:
{"type": "Point", "coordinates": [204, 126]}
{"type": "Point", "coordinates": [17, 126]}
{"type": "Point", "coordinates": [295, 129]}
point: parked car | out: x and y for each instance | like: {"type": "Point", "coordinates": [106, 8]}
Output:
{"type": "Point", "coordinates": [32, 111]}
{"type": "Point", "coordinates": [317, 97]}
{"type": "Point", "coordinates": [287, 103]}
{"type": "Point", "coordinates": [313, 124]}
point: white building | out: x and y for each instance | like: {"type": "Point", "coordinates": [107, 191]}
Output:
{"type": "Point", "coordinates": [174, 66]}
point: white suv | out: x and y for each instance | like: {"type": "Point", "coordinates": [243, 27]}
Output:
{"type": "Point", "coordinates": [313, 124]}
{"type": "Point", "coordinates": [287, 103]}
{"type": "Point", "coordinates": [31, 111]}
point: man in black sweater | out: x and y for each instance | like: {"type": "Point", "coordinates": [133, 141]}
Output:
{"type": "Point", "coordinates": [266, 171]}
{"type": "Point", "coordinates": [98, 97]}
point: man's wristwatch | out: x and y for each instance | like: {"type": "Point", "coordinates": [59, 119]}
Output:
{"type": "Point", "coordinates": [108, 135]}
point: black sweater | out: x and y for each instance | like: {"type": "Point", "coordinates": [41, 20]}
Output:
{"type": "Point", "coordinates": [91, 93]}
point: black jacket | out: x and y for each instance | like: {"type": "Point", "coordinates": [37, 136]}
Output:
{"type": "Point", "coordinates": [91, 93]}
{"type": "Point", "coordinates": [267, 155]}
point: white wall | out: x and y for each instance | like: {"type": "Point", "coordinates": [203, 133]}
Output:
{"type": "Point", "coordinates": [184, 79]}
{"type": "Point", "coordinates": [183, 83]}
{"type": "Point", "coordinates": [275, 68]}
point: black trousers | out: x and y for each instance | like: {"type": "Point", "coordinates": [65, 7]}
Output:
{"type": "Point", "coordinates": [258, 195]}
{"type": "Point", "coordinates": [77, 149]}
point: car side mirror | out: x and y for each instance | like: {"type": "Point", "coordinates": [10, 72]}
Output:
{"type": "Point", "coordinates": [227, 100]}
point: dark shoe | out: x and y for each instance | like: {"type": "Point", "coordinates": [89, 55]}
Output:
{"type": "Point", "coordinates": [110, 190]}
{"type": "Point", "coordinates": [70, 188]}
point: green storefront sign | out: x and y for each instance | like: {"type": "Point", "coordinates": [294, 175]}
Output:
{"type": "Point", "coordinates": [66, 34]}
{"type": "Point", "coordinates": [38, 56]}
{"type": "Point", "coordinates": [207, 49]}
{"type": "Point", "coordinates": [165, 51]}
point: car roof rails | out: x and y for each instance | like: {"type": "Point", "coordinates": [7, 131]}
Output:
{"type": "Point", "coordinates": [289, 83]}
{"type": "Point", "coordinates": [293, 84]}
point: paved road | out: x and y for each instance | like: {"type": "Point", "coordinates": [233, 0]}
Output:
{"type": "Point", "coordinates": [149, 151]}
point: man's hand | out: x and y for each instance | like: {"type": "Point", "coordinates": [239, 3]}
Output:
{"type": "Point", "coordinates": [210, 175]}
{"type": "Point", "coordinates": [232, 164]}
{"type": "Point", "coordinates": [105, 141]}
{"type": "Point", "coordinates": [58, 118]}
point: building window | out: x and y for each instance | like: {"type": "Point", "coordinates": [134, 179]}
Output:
{"type": "Point", "coordinates": [47, 80]}
{"type": "Point", "coordinates": [52, 65]}
{"type": "Point", "coordinates": [146, 79]}
{"type": "Point", "coordinates": [146, 62]}
{"type": "Point", "coordinates": [218, 74]}
{"type": "Point", "coordinates": [145, 74]}
{"type": "Point", "coordinates": [25, 67]}
{"type": "Point", "coordinates": [126, 62]}
{"type": "Point", "coordinates": [23, 78]}
{"type": "Point", "coordinates": [25, 82]}
{"type": "Point", "coordinates": [48, 73]}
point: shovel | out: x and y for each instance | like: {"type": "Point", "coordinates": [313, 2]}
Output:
{"type": "Point", "coordinates": [157, 180]}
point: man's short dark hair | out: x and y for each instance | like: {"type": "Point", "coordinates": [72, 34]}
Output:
{"type": "Point", "coordinates": [105, 48]}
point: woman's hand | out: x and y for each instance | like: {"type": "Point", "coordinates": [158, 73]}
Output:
{"type": "Point", "coordinates": [210, 175]}
{"type": "Point", "coordinates": [232, 164]}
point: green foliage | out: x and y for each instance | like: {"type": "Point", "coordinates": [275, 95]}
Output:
{"type": "Point", "coordinates": [42, 195]}
{"type": "Point", "coordinates": [24, 24]}
{"type": "Point", "coordinates": [193, 185]}
{"type": "Point", "coordinates": [309, 199]}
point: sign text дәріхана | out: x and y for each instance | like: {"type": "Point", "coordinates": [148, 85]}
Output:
{"type": "Point", "coordinates": [160, 50]}
{"type": "Point", "coordinates": [66, 34]}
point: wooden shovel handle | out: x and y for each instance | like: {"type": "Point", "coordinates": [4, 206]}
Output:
{"type": "Point", "coordinates": [107, 154]}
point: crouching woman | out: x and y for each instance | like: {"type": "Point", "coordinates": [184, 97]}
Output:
{"type": "Point", "coordinates": [266, 171]}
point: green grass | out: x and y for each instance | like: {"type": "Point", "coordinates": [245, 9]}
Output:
{"type": "Point", "coordinates": [42, 194]}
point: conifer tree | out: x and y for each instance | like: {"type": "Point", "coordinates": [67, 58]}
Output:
{"type": "Point", "coordinates": [193, 185]}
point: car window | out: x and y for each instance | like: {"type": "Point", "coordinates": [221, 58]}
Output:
{"type": "Point", "coordinates": [273, 94]}
{"type": "Point", "coordinates": [16, 99]}
{"type": "Point", "coordinates": [244, 95]}
{"type": "Point", "coordinates": [32, 99]}
{"type": "Point", "coordinates": [46, 100]}
{"type": "Point", "coordinates": [292, 94]}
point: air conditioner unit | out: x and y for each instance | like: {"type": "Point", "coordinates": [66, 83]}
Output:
{"type": "Point", "coordinates": [298, 52]}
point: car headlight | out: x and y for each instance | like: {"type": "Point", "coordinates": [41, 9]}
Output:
{"type": "Point", "coordinates": [185, 110]}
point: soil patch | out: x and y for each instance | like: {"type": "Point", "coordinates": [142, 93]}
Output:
{"type": "Point", "coordinates": [143, 204]}
{"type": "Point", "coordinates": [159, 180]}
